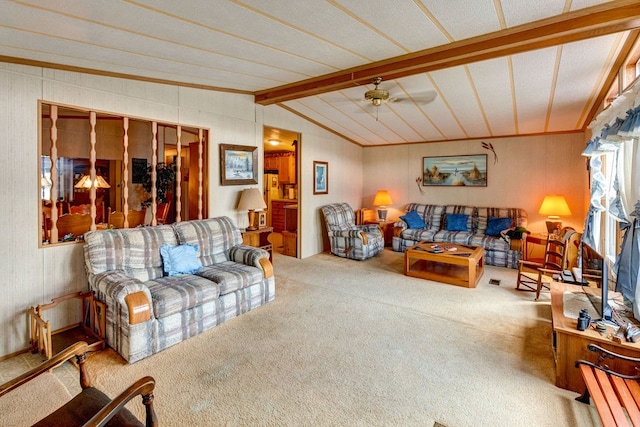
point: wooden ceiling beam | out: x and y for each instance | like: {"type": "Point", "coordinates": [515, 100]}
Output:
{"type": "Point", "coordinates": [600, 20]}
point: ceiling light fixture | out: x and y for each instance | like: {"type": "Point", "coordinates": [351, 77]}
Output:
{"type": "Point", "coordinates": [274, 142]}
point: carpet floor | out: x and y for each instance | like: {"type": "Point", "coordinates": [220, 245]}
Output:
{"type": "Point", "coordinates": [349, 343]}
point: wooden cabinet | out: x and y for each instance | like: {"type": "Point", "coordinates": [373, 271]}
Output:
{"type": "Point", "coordinates": [287, 169]}
{"type": "Point", "coordinates": [271, 163]}
{"type": "Point", "coordinates": [284, 163]}
{"type": "Point", "coordinates": [278, 214]}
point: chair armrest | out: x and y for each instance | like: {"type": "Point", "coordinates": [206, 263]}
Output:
{"type": "Point", "coordinates": [144, 387]}
{"type": "Point", "coordinates": [604, 353]}
{"type": "Point", "coordinates": [371, 228]}
{"type": "Point", "coordinates": [351, 234]}
{"type": "Point", "coordinates": [76, 349]}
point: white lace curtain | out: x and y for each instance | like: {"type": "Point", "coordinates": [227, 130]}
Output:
{"type": "Point", "coordinates": [618, 130]}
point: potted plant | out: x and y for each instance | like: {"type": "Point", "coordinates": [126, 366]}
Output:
{"type": "Point", "coordinates": [165, 180]}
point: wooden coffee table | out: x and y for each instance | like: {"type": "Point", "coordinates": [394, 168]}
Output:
{"type": "Point", "coordinates": [462, 266]}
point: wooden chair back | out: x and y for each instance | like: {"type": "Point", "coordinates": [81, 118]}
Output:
{"type": "Point", "coordinates": [116, 219]}
{"type": "Point", "coordinates": [162, 212]}
{"type": "Point", "coordinates": [554, 254]}
{"type": "Point", "coordinates": [75, 224]}
{"type": "Point", "coordinates": [136, 218]}
{"type": "Point", "coordinates": [365, 214]}
{"type": "Point", "coordinates": [79, 209]}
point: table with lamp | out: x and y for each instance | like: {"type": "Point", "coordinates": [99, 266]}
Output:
{"type": "Point", "coordinates": [554, 206]}
{"type": "Point", "coordinates": [382, 200]}
{"type": "Point", "coordinates": [257, 233]}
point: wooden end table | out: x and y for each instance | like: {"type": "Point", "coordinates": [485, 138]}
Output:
{"type": "Point", "coordinates": [462, 267]}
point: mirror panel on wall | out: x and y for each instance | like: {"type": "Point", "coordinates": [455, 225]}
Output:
{"type": "Point", "coordinates": [103, 170]}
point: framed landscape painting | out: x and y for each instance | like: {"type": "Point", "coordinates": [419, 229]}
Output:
{"type": "Point", "coordinates": [238, 164]}
{"type": "Point", "coordinates": [457, 171]}
{"type": "Point", "coordinates": [320, 177]}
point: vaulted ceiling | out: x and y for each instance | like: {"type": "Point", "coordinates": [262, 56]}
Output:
{"type": "Point", "coordinates": [454, 69]}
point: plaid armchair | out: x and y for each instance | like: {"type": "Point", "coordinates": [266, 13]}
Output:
{"type": "Point", "coordinates": [347, 239]}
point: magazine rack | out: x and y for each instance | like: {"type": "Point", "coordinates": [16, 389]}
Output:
{"type": "Point", "coordinates": [91, 329]}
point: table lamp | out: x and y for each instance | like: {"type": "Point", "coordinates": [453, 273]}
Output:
{"type": "Point", "coordinates": [382, 200]}
{"type": "Point", "coordinates": [554, 206]}
{"type": "Point", "coordinates": [85, 182]}
{"type": "Point", "coordinates": [251, 200]}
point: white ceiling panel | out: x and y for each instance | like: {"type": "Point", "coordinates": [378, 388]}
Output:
{"type": "Point", "coordinates": [459, 95]}
{"type": "Point", "coordinates": [492, 80]}
{"type": "Point", "coordinates": [582, 69]}
{"type": "Point", "coordinates": [405, 22]}
{"type": "Point", "coordinates": [463, 18]}
{"type": "Point", "coordinates": [318, 57]}
{"type": "Point", "coordinates": [521, 12]}
{"type": "Point", "coordinates": [533, 75]}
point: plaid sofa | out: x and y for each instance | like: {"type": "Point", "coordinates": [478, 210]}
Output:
{"type": "Point", "coordinates": [347, 239]}
{"type": "Point", "coordinates": [497, 250]}
{"type": "Point", "coordinates": [147, 310]}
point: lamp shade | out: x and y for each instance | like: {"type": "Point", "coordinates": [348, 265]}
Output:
{"type": "Point", "coordinates": [250, 200]}
{"type": "Point", "coordinates": [554, 205]}
{"type": "Point", "coordinates": [85, 182]}
{"type": "Point", "coordinates": [382, 198]}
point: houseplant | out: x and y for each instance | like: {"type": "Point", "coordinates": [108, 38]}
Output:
{"type": "Point", "coordinates": [165, 181]}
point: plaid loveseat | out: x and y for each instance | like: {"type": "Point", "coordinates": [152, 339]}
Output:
{"type": "Point", "coordinates": [347, 239]}
{"type": "Point", "coordinates": [497, 249]}
{"type": "Point", "coordinates": [148, 310]}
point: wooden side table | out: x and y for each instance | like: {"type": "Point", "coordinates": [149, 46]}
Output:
{"type": "Point", "coordinates": [570, 344]}
{"type": "Point", "coordinates": [259, 239]}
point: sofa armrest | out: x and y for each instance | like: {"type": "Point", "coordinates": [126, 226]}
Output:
{"type": "Point", "coordinates": [129, 293]}
{"type": "Point", "coordinates": [251, 255]}
{"type": "Point", "coordinates": [248, 255]}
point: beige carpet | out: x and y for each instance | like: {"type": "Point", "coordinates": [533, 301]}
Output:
{"type": "Point", "coordinates": [357, 343]}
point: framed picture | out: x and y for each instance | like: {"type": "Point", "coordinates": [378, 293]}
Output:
{"type": "Point", "coordinates": [238, 164]}
{"type": "Point", "coordinates": [320, 177]}
{"type": "Point", "coordinates": [456, 171]}
{"type": "Point", "coordinates": [262, 219]}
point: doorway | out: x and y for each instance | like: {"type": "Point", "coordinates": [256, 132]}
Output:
{"type": "Point", "coordinates": [281, 154]}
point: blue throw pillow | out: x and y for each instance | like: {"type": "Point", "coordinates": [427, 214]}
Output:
{"type": "Point", "coordinates": [181, 259]}
{"type": "Point", "coordinates": [496, 225]}
{"type": "Point", "coordinates": [457, 222]}
{"type": "Point", "coordinates": [413, 220]}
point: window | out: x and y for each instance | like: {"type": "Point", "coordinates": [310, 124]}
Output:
{"type": "Point", "coordinates": [103, 170]}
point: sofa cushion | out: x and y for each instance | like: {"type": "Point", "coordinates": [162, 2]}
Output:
{"type": "Point", "coordinates": [136, 251]}
{"type": "Point", "coordinates": [457, 222]}
{"type": "Point", "coordinates": [519, 217]}
{"type": "Point", "coordinates": [214, 237]}
{"type": "Point", "coordinates": [457, 237]}
{"type": "Point", "coordinates": [431, 214]}
{"type": "Point", "coordinates": [413, 220]}
{"type": "Point", "coordinates": [176, 294]}
{"type": "Point", "coordinates": [489, 243]}
{"type": "Point", "coordinates": [470, 211]}
{"type": "Point", "coordinates": [496, 225]}
{"type": "Point", "coordinates": [418, 234]}
{"type": "Point", "coordinates": [231, 276]}
{"type": "Point", "coordinates": [180, 259]}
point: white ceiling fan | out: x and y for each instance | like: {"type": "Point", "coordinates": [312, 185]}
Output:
{"type": "Point", "coordinates": [378, 96]}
